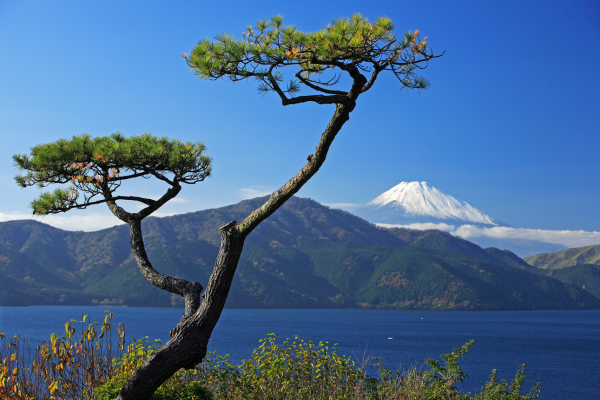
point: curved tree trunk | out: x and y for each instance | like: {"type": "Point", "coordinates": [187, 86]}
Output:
{"type": "Point", "coordinates": [188, 346]}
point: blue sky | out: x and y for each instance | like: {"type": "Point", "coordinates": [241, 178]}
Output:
{"type": "Point", "coordinates": [510, 124]}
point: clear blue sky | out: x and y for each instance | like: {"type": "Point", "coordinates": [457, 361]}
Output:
{"type": "Point", "coordinates": [510, 124]}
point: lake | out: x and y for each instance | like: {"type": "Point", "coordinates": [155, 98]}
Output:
{"type": "Point", "coordinates": [560, 348]}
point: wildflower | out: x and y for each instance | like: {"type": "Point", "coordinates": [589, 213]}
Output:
{"type": "Point", "coordinates": [99, 156]}
{"type": "Point", "coordinates": [88, 165]}
{"type": "Point", "coordinates": [417, 32]}
{"type": "Point", "coordinates": [73, 165]}
{"type": "Point", "coordinates": [184, 55]}
{"type": "Point", "coordinates": [288, 53]}
{"type": "Point", "coordinates": [295, 51]}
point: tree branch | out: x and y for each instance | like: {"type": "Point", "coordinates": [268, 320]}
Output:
{"type": "Point", "coordinates": [190, 291]}
{"type": "Point", "coordinates": [376, 71]}
{"type": "Point", "coordinates": [171, 193]}
{"type": "Point", "coordinates": [342, 114]}
{"type": "Point", "coordinates": [315, 87]}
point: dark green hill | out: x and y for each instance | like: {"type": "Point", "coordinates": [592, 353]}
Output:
{"type": "Point", "coordinates": [410, 277]}
{"type": "Point", "coordinates": [24, 282]}
{"type": "Point", "coordinates": [586, 276]}
{"type": "Point", "coordinates": [305, 255]}
{"type": "Point", "coordinates": [566, 258]}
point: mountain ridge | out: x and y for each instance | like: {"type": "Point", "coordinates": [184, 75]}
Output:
{"type": "Point", "coordinates": [281, 266]}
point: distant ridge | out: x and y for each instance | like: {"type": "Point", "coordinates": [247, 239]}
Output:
{"type": "Point", "coordinates": [418, 202]}
{"type": "Point", "coordinates": [305, 255]}
{"type": "Point", "coordinates": [566, 258]}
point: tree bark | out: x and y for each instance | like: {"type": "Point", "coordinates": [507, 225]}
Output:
{"type": "Point", "coordinates": [188, 346]}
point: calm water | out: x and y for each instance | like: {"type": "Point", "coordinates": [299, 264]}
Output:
{"type": "Point", "coordinates": [560, 348]}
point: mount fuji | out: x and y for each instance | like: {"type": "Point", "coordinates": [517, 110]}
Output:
{"type": "Point", "coordinates": [418, 202]}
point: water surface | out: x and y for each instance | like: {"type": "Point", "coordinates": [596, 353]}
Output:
{"type": "Point", "coordinates": [560, 348]}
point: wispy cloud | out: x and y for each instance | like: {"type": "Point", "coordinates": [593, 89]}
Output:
{"type": "Point", "coordinates": [88, 222]}
{"type": "Point", "coordinates": [254, 191]}
{"type": "Point", "coordinates": [342, 205]}
{"type": "Point", "coordinates": [565, 237]}
{"type": "Point", "coordinates": [421, 226]}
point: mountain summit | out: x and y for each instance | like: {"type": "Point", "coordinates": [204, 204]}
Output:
{"type": "Point", "coordinates": [418, 202]}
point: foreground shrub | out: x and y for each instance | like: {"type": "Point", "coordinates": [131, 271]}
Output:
{"type": "Point", "coordinates": [65, 368]}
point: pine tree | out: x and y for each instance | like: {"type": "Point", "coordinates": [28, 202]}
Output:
{"type": "Point", "coordinates": [351, 47]}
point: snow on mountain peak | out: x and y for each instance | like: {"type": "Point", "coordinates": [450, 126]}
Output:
{"type": "Point", "coordinates": [410, 202]}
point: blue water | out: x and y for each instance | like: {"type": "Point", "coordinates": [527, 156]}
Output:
{"type": "Point", "coordinates": [560, 348]}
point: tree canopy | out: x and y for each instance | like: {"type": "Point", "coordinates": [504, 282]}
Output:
{"type": "Point", "coordinates": [96, 167]}
{"type": "Point", "coordinates": [350, 44]}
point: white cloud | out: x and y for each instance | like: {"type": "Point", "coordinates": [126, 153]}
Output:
{"type": "Point", "coordinates": [255, 191]}
{"type": "Point", "coordinates": [342, 205]}
{"type": "Point", "coordinates": [421, 226]}
{"type": "Point", "coordinates": [565, 237]}
{"type": "Point", "coordinates": [87, 222]}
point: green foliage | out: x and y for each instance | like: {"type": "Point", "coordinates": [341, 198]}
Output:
{"type": "Point", "coordinates": [86, 368]}
{"type": "Point", "coordinates": [586, 276]}
{"type": "Point", "coordinates": [345, 42]}
{"type": "Point", "coordinates": [294, 369]}
{"type": "Point", "coordinates": [96, 167]}
{"type": "Point", "coordinates": [177, 387]}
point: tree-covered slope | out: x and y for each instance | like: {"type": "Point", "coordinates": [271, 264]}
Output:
{"type": "Point", "coordinates": [410, 277]}
{"type": "Point", "coordinates": [566, 258]}
{"type": "Point", "coordinates": [586, 276]}
{"type": "Point", "coordinates": [305, 255]}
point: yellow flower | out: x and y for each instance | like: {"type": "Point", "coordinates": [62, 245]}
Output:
{"type": "Point", "coordinates": [288, 53]}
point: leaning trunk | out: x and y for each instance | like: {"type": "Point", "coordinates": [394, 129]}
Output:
{"type": "Point", "coordinates": [188, 346]}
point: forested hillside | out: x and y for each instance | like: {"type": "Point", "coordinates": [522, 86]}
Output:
{"type": "Point", "coordinates": [305, 255]}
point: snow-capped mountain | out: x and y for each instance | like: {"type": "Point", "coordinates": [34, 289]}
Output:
{"type": "Point", "coordinates": [418, 202]}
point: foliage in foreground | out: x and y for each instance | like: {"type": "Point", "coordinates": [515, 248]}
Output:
{"type": "Point", "coordinates": [65, 368]}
